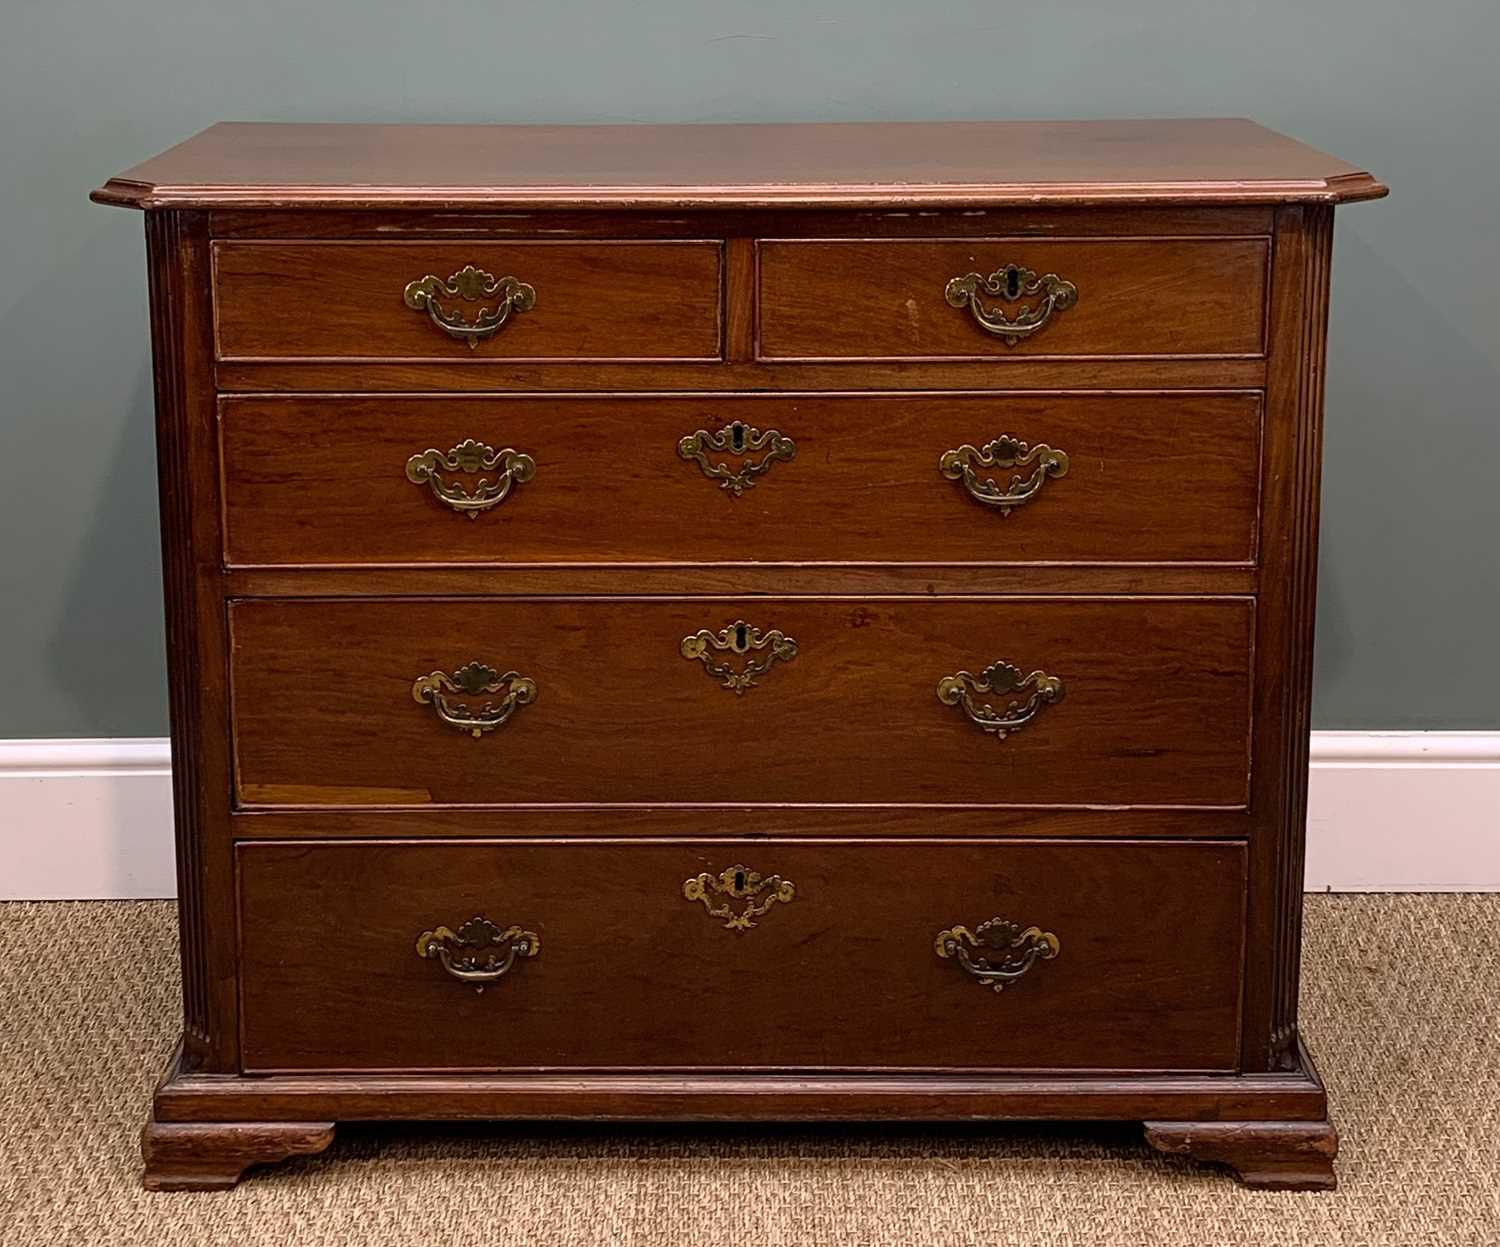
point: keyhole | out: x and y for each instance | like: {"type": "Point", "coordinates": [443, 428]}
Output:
{"type": "Point", "coordinates": [739, 881]}
{"type": "Point", "coordinates": [1013, 283]}
{"type": "Point", "coordinates": [737, 436]}
{"type": "Point", "coordinates": [741, 638]}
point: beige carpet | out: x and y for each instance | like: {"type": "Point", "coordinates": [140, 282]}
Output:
{"type": "Point", "coordinates": [1402, 1008]}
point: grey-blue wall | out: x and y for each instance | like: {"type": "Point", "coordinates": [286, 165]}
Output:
{"type": "Point", "coordinates": [1409, 589]}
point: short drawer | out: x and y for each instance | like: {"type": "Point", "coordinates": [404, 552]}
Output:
{"type": "Point", "coordinates": [473, 301]}
{"type": "Point", "coordinates": [1004, 298]}
{"type": "Point", "coordinates": [972, 701]}
{"type": "Point", "coordinates": [882, 478]}
{"type": "Point", "coordinates": [481, 955]}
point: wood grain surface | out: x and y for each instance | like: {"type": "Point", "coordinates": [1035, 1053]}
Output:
{"type": "Point", "coordinates": [632, 973]}
{"type": "Point", "coordinates": [1155, 707]}
{"type": "Point", "coordinates": [884, 299]}
{"type": "Point", "coordinates": [954, 163]}
{"type": "Point", "coordinates": [790, 277]}
{"type": "Point", "coordinates": [601, 300]}
{"type": "Point", "coordinates": [1151, 478]}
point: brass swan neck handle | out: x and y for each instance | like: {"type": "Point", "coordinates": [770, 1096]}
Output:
{"type": "Point", "coordinates": [967, 462]}
{"type": "Point", "coordinates": [472, 285]}
{"type": "Point", "coordinates": [474, 680]}
{"type": "Point", "coordinates": [511, 468]}
{"type": "Point", "coordinates": [479, 952]}
{"type": "Point", "coordinates": [997, 952]}
{"type": "Point", "coordinates": [962, 688]}
{"type": "Point", "coordinates": [1010, 283]}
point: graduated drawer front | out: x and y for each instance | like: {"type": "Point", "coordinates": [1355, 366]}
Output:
{"type": "Point", "coordinates": [592, 301]}
{"type": "Point", "coordinates": [889, 299]}
{"type": "Point", "coordinates": [617, 964]}
{"type": "Point", "coordinates": [1137, 701]}
{"type": "Point", "coordinates": [1135, 477]}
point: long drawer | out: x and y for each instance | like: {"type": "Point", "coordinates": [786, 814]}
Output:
{"type": "Point", "coordinates": [924, 478]}
{"type": "Point", "coordinates": [444, 301]}
{"type": "Point", "coordinates": [973, 701]}
{"type": "Point", "coordinates": [1008, 298]}
{"type": "Point", "coordinates": [493, 956]}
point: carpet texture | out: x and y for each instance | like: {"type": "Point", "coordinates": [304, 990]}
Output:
{"type": "Point", "coordinates": [1401, 1008]}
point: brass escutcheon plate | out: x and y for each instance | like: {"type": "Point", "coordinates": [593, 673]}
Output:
{"type": "Point", "coordinates": [741, 639]}
{"type": "Point", "coordinates": [738, 883]}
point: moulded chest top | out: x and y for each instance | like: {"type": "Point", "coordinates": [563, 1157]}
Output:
{"type": "Point", "coordinates": [858, 165]}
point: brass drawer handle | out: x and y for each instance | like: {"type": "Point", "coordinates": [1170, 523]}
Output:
{"type": "Point", "coordinates": [1000, 677]}
{"type": "Point", "coordinates": [478, 953]}
{"type": "Point", "coordinates": [474, 679]}
{"type": "Point", "coordinates": [470, 284]}
{"type": "Point", "coordinates": [1010, 283]}
{"type": "Point", "coordinates": [738, 638]}
{"type": "Point", "coordinates": [1003, 954]}
{"type": "Point", "coordinates": [736, 438]}
{"type": "Point", "coordinates": [470, 456]}
{"type": "Point", "coordinates": [965, 463]}
{"type": "Point", "coordinates": [739, 883]}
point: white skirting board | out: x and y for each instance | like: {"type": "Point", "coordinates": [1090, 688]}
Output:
{"type": "Point", "coordinates": [1387, 812]}
{"type": "Point", "coordinates": [86, 819]}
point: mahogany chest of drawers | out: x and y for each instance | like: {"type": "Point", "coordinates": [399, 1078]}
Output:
{"type": "Point", "coordinates": [773, 622]}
